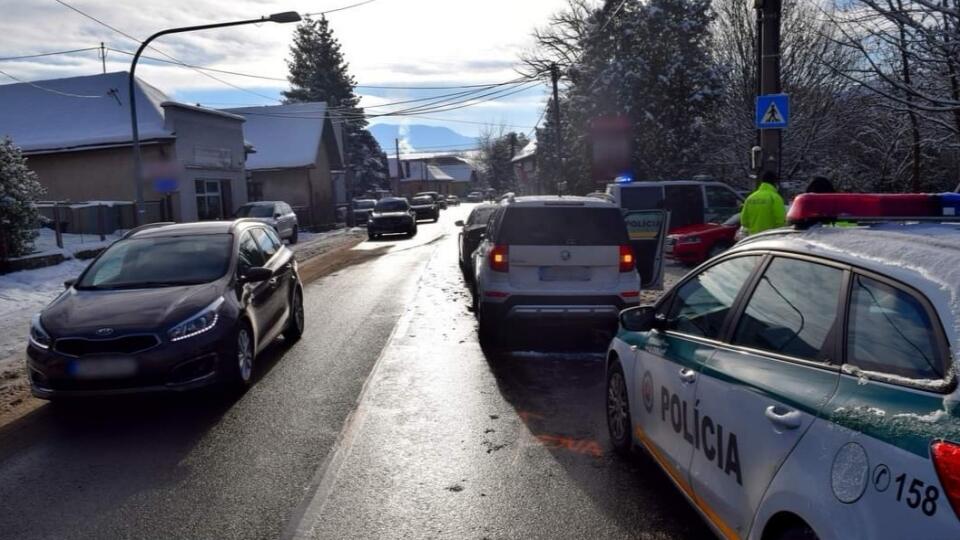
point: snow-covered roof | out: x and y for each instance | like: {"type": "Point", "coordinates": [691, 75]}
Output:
{"type": "Point", "coordinates": [438, 167]}
{"type": "Point", "coordinates": [526, 152]}
{"type": "Point", "coordinates": [53, 115]}
{"type": "Point", "coordinates": [285, 136]}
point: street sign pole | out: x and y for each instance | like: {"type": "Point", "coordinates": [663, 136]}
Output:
{"type": "Point", "coordinates": [769, 72]}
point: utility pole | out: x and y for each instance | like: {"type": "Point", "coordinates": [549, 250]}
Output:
{"type": "Point", "coordinates": [103, 57]}
{"type": "Point", "coordinates": [555, 78]}
{"type": "Point", "coordinates": [396, 143]}
{"type": "Point", "coordinates": [770, 139]}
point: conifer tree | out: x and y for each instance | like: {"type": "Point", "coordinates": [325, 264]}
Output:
{"type": "Point", "coordinates": [19, 190]}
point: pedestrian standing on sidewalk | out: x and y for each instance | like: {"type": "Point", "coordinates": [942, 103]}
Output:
{"type": "Point", "coordinates": [763, 209]}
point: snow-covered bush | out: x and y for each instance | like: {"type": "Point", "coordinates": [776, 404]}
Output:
{"type": "Point", "coordinates": [19, 189]}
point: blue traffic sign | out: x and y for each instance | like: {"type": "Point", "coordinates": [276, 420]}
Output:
{"type": "Point", "coordinates": [773, 111]}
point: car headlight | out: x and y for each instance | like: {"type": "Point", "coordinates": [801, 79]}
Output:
{"type": "Point", "coordinates": [39, 337]}
{"type": "Point", "coordinates": [688, 240]}
{"type": "Point", "coordinates": [203, 321]}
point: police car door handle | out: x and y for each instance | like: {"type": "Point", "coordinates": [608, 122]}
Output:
{"type": "Point", "coordinates": [783, 418]}
{"type": "Point", "coordinates": [688, 375]}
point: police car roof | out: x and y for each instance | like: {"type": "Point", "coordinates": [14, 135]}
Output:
{"type": "Point", "coordinates": [556, 200]}
{"type": "Point", "coordinates": [925, 256]}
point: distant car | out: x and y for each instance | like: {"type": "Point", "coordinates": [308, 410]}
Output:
{"type": "Point", "coordinates": [392, 215]}
{"type": "Point", "coordinates": [551, 260]}
{"type": "Point", "coordinates": [425, 208]}
{"type": "Point", "coordinates": [471, 233]}
{"type": "Point", "coordinates": [690, 202]}
{"type": "Point", "coordinates": [474, 197]}
{"type": "Point", "coordinates": [277, 214]}
{"type": "Point", "coordinates": [694, 244]}
{"type": "Point", "coordinates": [453, 200]}
{"type": "Point", "coordinates": [440, 199]}
{"type": "Point", "coordinates": [362, 209]}
{"type": "Point", "coordinates": [169, 307]}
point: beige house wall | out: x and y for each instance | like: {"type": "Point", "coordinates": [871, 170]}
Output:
{"type": "Point", "coordinates": [310, 187]}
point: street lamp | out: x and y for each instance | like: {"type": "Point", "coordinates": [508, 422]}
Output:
{"type": "Point", "coordinates": [284, 17]}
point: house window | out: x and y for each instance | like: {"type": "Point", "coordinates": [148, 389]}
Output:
{"type": "Point", "coordinates": [212, 199]}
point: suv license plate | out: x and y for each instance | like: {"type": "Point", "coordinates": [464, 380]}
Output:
{"type": "Point", "coordinates": [564, 273]}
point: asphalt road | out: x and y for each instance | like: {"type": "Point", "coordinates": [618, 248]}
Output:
{"type": "Point", "coordinates": [386, 420]}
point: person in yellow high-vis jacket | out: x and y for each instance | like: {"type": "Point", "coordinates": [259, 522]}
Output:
{"type": "Point", "coordinates": [764, 208]}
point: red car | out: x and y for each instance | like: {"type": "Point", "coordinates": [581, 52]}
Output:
{"type": "Point", "coordinates": [694, 244]}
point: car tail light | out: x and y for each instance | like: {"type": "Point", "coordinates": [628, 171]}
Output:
{"type": "Point", "coordinates": [946, 459]}
{"type": "Point", "coordinates": [627, 260]}
{"type": "Point", "coordinates": [500, 258]}
{"type": "Point", "coordinates": [630, 294]}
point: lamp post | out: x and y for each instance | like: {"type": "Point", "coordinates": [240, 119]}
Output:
{"type": "Point", "coordinates": [284, 17]}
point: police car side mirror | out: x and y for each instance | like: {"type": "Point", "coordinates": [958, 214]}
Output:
{"type": "Point", "coordinates": [638, 319]}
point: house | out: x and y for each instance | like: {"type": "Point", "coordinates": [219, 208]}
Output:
{"type": "Point", "coordinates": [525, 170]}
{"type": "Point", "coordinates": [298, 151]}
{"type": "Point", "coordinates": [444, 173]}
{"type": "Point", "coordinates": [76, 135]}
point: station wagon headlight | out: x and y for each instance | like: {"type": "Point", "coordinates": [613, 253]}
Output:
{"type": "Point", "coordinates": [203, 321]}
{"type": "Point", "coordinates": [39, 337]}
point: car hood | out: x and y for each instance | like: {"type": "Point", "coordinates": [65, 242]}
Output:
{"type": "Point", "coordinates": [389, 214]}
{"type": "Point", "coordinates": [267, 220]}
{"type": "Point", "coordinates": [696, 229]}
{"type": "Point", "coordinates": [363, 210]}
{"type": "Point", "coordinates": [83, 312]}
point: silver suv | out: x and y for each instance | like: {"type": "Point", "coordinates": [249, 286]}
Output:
{"type": "Point", "coordinates": [276, 214]}
{"type": "Point", "coordinates": [553, 259]}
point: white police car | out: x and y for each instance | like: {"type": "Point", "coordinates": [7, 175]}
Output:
{"type": "Point", "coordinates": [803, 384]}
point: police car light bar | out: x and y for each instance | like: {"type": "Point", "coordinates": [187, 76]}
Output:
{"type": "Point", "coordinates": [811, 208]}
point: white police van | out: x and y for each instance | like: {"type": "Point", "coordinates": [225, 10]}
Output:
{"type": "Point", "coordinates": [803, 384]}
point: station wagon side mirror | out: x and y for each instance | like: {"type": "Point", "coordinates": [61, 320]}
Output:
{"type": "Point", "coordinates": [69, 283]}
{"type": "Point", "coordinates": [642, 319]}
{"type": "Point", "coordinates": [458, 223]}
{"type": "Point", "coordinates": [256, 275]}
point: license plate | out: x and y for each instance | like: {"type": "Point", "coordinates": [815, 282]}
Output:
{"type": "Point", "coordinates": [103, 368]}
{"type": "Point", "coordinates": [564, 273]}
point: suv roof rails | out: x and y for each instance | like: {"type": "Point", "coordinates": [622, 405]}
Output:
{"type": "Point", "coordinates": [141, 228]}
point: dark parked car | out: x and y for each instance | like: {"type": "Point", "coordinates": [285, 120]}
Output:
{"type": "Point", "coordinates": [277, 214]}
{"type": "Point", "coordinates": [362, 209]}
{"type": "Point", "coordinates": [425, 208]}
{"type": "Point", "coordinates": [453, 200]}
{"type": "Point", "coordinates": [392, 215]}
{"type": "Point", "coordinates": [168, 307]}
{"type": "Point", "coordinates": [471, 233]}
{"type": "Point", "coordinates": [437, 197]}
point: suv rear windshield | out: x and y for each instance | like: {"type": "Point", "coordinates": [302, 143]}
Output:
{"type": "Point", "coordinates": [562, 225]}
{"type": "Point", "coordinates": [422, 200]}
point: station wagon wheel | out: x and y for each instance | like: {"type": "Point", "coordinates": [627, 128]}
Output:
{"type": "Point", "coordinates": [244, 355]}
{"type": "Point", "coordinates": [618, 410]}
{"type": "Point", "coordinates": [296, 324]}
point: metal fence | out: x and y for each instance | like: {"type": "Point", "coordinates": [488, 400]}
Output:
{"type": "Point", "coordinates": [66, 224]}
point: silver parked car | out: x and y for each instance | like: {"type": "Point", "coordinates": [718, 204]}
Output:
{"type": "Point", "coordinates": [277, 214]}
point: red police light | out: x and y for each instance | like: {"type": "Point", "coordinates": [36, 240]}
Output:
{"type": "Point", "coordinates": [814, 207]}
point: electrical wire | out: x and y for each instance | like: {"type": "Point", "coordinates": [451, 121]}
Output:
{"type": "Point", "coordinates": [50, 90]}
{"type": "Point", "coordinates": [55, 53]}
{"type": "Point", "coordinates": [358, 4]}
{"type": "Point", "coordinates": [176, 60]}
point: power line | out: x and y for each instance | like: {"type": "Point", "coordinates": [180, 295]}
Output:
{"type": "Point", "coordinates": [358, 4]}
{"type": "Point", "coordinates": [50, 90]}
{"type": "Point", "coordinates": [54, 53]}
{"type": "Point", "coordinates": [176, 60]}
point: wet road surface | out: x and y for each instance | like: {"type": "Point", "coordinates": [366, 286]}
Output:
{"type": "Point", "coordinates": [386, 420]}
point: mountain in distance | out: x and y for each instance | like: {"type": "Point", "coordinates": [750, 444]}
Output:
{"type": "Point", "coordinates": [420, 137]}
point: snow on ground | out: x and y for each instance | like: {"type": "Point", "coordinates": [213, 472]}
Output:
{"type": "Point", "coordinates": [46, 242]}
{"type": "Point", "coordinates": [22, 294]}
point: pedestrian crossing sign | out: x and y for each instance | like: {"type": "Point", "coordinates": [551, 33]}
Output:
{"type": "Point", "coordinates": [773, 111]}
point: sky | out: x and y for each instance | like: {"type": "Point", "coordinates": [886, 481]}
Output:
{"type": "Point", "coordinates": [386, 42]}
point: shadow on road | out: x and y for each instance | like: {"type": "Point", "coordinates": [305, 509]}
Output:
{"type": "Point", "coordinates": [559, 395]}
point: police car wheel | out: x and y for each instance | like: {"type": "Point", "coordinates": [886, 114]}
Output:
{"type": "Point", "coordinates": [618, 410]}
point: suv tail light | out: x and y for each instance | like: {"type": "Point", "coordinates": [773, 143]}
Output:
{"type": "Point", "coordinates": [946, 459]}
{"type": "Point", "coordinates": [627, 261]}
{"type": "Point", "coordinates": [500, 258]}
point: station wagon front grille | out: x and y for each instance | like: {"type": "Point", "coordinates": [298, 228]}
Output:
{"type": "Point", "coordinates": [119, 345]}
